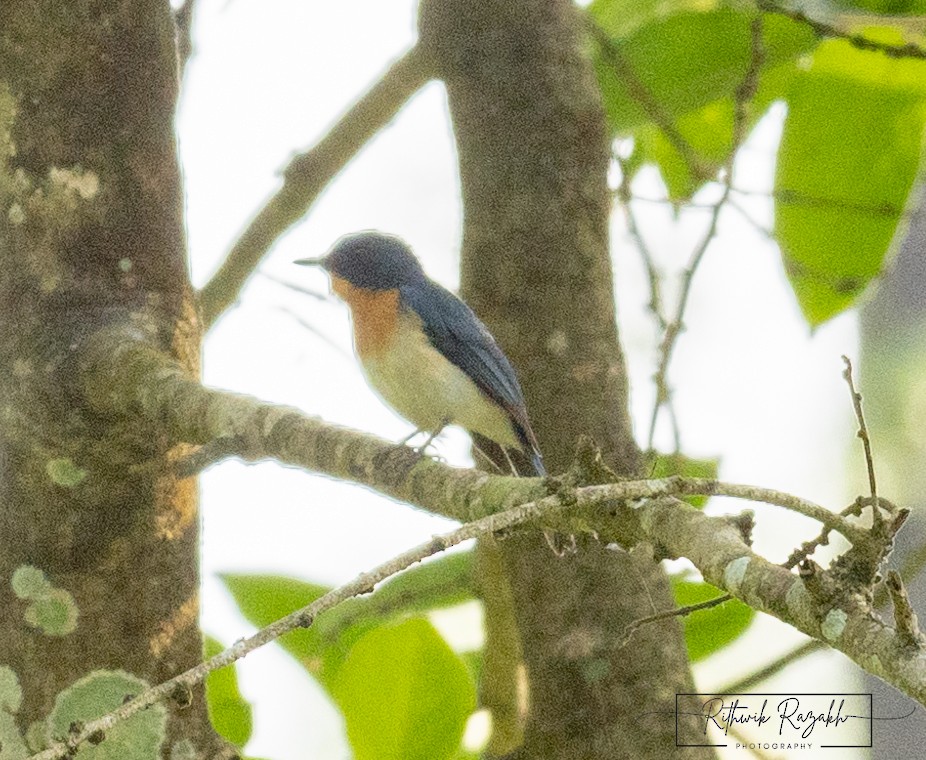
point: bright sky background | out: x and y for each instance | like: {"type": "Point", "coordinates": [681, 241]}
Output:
{"type": "Point", "coordinates": [753, 386]}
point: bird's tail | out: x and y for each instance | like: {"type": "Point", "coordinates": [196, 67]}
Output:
{"type": "Point", "coordinates": [526, 462]}
{"type": "Point", "coordinates": [537, 461]}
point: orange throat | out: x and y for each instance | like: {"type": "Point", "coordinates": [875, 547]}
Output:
{"type": "Point", "coordinates": [374, 312]}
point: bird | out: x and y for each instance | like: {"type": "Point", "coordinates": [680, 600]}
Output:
{"type": "Point", "coordinates": [424, 351]}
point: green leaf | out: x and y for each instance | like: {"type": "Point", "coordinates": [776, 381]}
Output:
{"type": "Point", "coordinates": [688, 61]}
{"type": "Point", "coordinates": [708, 129]}
{"type": "Point", "coordinates": [619, 18]}
{"type": "Point", "coordinates": [404, 693]}
{"type": "Point", "coordinates": [707, 631]}
{"type": "Point", "coordinates": [322, 648]}
{"type": "Point", "coordinates": [265, 598]}
{"type": "Point", "coordinates": [709, 133]}
{"type": "Point", "coordinates": [850, 151]}
{"type": "Point", "coordinates": [229, 712]}
{"type": "Point", "coordinates": [473, 661]}
{"type": "Point", "coordinates": [667, 465]}
{"type": "Point", "coordinates": [884, 7]}
{"type": "Point", "coordinates": [137, 738]}
{"type": "Point", "coordinates": [442, 582]}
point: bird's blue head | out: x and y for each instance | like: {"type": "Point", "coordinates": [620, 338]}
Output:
{"type": "Point", "coordinates": [371, 260]}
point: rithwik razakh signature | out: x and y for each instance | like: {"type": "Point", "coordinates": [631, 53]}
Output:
{"type": "Point", "coordinates": [787, 714]}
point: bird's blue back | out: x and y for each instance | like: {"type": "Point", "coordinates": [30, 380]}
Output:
{"type": "Point", "coordinates": [454, 330]}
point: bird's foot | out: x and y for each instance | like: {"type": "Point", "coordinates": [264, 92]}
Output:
{"type": "Point", "coordinates": [562, 487]}
{"type": "Point", "coordinates": [421, 450]}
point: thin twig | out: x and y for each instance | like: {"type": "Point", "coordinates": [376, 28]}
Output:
{"type": "Point", "coordinates": [752, 680]}
{"type": "Point", "coordinates": [308, 174]}
{"type": "Point", "coordinates": [908, 627]}
{"type": "Point", "coordinates": [866, 441]}
{"type": "Point", "coordinates": [753, 222]}
{"type": "Point", "coordinates": [654, 280]}
{"type": "Point", "coordinates": [653, 277]}
{"type": "Point", "coordinates": [294, 287]}
{"type": "Point", "coordinates": [744, 93]}
{"type": "Point", "coordinates": [632, 627]}
{"type": "Point", "coordinates": [682, 486]}
{"type": "Point", "coordinates": [824, 30]}
{"type": "Point", "coordinates": [323, 297]}
{"type": "Point", "coordinates": [787, 501]}
{"type": "Point", "coordinates": [301, 618]}
{"type": "Point", "coordinates": [823, 539]}
{"type": "Point", "coordinates": [669, 202]}
{"type": "Point", "coordinates": [308, 326]}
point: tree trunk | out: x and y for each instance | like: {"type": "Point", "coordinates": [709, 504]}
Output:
{"type": "Point", "coordinates": [893, 351]}
{"type": "Point", "coordinates": [91, 235]}
{"type": "Point", "coordinates": [536, 268]}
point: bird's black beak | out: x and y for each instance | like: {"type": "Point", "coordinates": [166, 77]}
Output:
{"type": "Point", "coordinates": [319, 262]}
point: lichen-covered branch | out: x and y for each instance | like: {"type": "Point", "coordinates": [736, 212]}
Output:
{"type": "Point", "coordinates": [308, 174]}
{"type": "Point", "coordinates": [121, 376]}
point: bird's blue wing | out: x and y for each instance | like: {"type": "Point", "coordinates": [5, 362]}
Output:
{"type": "Point", "coordinates": [455, 331]}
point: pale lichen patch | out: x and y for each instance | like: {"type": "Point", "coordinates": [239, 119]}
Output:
{"type": "Point", "coordinates": [54, 614]}
{"type": "Point", "coordinates": [834, 624]}
{"type": "Point", "coordinates": [7, 118]}
{"type": "Point", "coordinates": [183, 749]}
{"type": "Point", "coordinates": [12, 746]}
{"type": "Point", "coordinates": [11, 693]}
{"type": "Point", "coordinates": [798, 600]}
{"type": "Point", "coordinates": [28, 582]}
{"type": "Point", "coordinates": [52, 610]}
{"type": "Point", "coordinates": [558, 343]}
{"type": "Point", "coordinates": [734, 573]}
{"type": "Point", "coordinates": [138, 738]}
{"type": "Point", "coordinates": [35, 736]}
{"type": "Point", "coordinates": [86, 184]}
{"type": "Point", "coordinates": [22, 367]}
{"type": "Point", "coordinates": [63, 472]}
{"type": "Point", "coordinates": [16, 215]}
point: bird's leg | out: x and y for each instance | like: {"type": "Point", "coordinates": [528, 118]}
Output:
{"type": "Point", "coordinates": [443, 423]}
{"type": "Point", "coordinates": [411, 435]}
{"type": "Point", "coordinates": [487, 458]}
{"type": "Point", "coordinates": [514, 470]}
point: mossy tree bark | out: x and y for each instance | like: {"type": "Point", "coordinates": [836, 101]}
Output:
{"type": "Point", "coordinates": [91, 237]}
{"type": "Point", "coordinates": [533, 160]}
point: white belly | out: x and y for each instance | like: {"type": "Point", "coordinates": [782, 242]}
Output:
{"type": "Point", "coordinates": [428, 390]}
